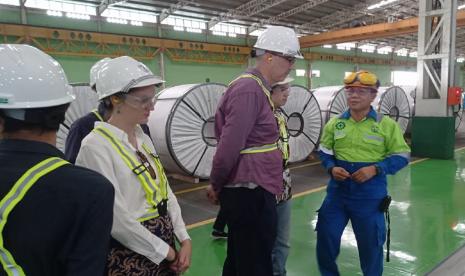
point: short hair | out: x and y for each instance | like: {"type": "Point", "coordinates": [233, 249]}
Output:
{"type": "Point", "coordinates": [39, 119]}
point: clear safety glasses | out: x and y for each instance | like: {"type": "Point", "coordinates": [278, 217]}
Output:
{"type": "Point", "coordinates": [140, 102]}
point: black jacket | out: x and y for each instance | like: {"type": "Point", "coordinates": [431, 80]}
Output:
{"type": "Point", "coordinates": [62, 225]}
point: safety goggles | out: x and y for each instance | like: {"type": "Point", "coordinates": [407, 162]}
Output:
{"type": "Point", "coordinates": [139, 102]}
{"type": "Point", "coordinates": [362, 78]}
{"type": "Point", "coordinates": [290, 59]}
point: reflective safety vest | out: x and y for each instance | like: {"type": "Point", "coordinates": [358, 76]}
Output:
{"type": "Point", "coordinates": [266, 147]}
{"type": "Point", "coordinates": [14, 196]}
{"type": "Point", "coordinates": [155, 193]}
{"type": "Point", "coordinates": [95, 111]}
{"type": "Point", "coordinates": [283, 142]}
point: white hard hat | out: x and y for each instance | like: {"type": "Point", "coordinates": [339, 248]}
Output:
{"type": "Point", "coordinates": [95, 69]}
{"type": "Point", "coordinates": [285, 81]}
{"type": "Point", "coordinates": [281, 40]}
{"type": "Point", "coordinates": [29, 78]}
{"type": "Point", "coordinates": [123, 73]}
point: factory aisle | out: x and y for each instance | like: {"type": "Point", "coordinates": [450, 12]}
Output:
{"type": "Point", "coordinates": [427, 222]}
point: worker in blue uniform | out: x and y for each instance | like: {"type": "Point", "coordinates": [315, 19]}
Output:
{"type": "Point", "coordinates": [358, 149]}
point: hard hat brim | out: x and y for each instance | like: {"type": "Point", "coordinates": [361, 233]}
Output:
{"type": "Point", "coordinates": [153, 80]}
{"type": "Point", "coordinates": [68, 98]}
{"type": "Point", "coordinates": [285, 81]}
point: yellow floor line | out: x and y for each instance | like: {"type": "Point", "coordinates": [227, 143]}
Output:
{"type": "Point", "coordinates": [306, 165]}
{"type": "Point", "coordinates": [314, 190]}
{"type": "Point", "coordinates": [205, 186]}
{"type": "Point", "coordinates": [200, 223]}
{"type": "Point", "coordinates": [191, 189]}
{"type": "Point", "coordinates": [418, 161]}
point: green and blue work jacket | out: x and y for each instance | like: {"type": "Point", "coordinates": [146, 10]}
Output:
{"type": "Point", "coordinates": [376, 139]}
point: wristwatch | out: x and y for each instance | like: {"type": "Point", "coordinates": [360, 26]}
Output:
{"type": "Point", "coordinates": [330, 171]}
{"type": "Point", "coordinates": [378, 169]}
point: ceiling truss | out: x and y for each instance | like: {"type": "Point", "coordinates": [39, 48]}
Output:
{"type": "Point", "coordinates": [307, 17]}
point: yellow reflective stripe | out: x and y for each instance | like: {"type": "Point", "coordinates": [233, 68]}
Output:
{"type": "Point", "coordinates": [97, 115]}
{"type": "Point", "coordinates": [14, 196]}
{"type": "Point", "coordinates": [160, 172]}
{"type": "Point", "coordinates": [260, 149]}
{"type": "Point", "coordinates": [284, 135]}
{"type": "Point", "coordinates": [259, 81]}
{"type": "Point", "coordinates": [150, 214]}
{"type": "Point", "coordinates": [148, 184]}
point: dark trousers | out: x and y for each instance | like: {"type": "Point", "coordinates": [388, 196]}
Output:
{"type": "Point", "coordinates": [220, 221]}
{"type": "Point", "coordinates": [251, 218]}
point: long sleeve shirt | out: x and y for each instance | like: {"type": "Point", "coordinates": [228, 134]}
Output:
{"type": "Point", "coordinates": [244, 119]}
{"type": "Point", "coordinates": [352, 145]}
{"type": "Point", "coordinates": [62, 225]}
{"type": "Point", "coordinates": [130, 203]}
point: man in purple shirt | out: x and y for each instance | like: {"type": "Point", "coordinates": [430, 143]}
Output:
{"type": "Point", "coordinates": [247, 167]}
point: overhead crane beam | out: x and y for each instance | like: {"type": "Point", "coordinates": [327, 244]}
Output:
{"type": "Point", "coordinates": [407, 26]}
{"type": "Point", "coordinates": [73, 37]}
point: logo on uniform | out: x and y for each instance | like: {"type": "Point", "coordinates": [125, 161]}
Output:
{"type": "Point", "coordinates": [375, 129]}
{"type": "Point", "coordinates": [340, 125]}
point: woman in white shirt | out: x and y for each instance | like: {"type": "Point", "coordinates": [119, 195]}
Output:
{"type": "Point", "coordinates": [147, 216]}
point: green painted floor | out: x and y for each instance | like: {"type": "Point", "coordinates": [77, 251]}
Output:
{"type": "Point", "coordinates": [427, 222]}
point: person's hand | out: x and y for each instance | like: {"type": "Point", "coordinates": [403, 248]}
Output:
{"type": "Point", "coordinates": [364, 174]}
{"type": "Point", "coordinates": [340, 174]}
{"type": "Point", "coordinates": [212, 195]}
{"type": "Point", "coordinates": [171, 255]}
{"type": "Point", "coordinates": [183, 260]}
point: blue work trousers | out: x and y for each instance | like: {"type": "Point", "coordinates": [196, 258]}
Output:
{"type": "Point", "coordinates": [369, 229]}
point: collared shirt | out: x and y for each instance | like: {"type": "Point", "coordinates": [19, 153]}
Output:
{"type": "Point", "coordinates": [349, 144]}
{"type": "Point", "coordinates": [62, 225]}
{"type": "Point", "coordinates": [245, 119]}
{"type": "Point", "coordinates": [130, 203]}
{"type": "Point", "coordinates": [79, 129]}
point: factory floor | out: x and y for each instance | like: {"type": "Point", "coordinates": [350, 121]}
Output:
{"type": "Point", "coordinates": [427, 220]}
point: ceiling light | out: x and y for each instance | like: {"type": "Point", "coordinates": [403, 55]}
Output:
{"type": "Point", "coordinates": [380, 4]}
